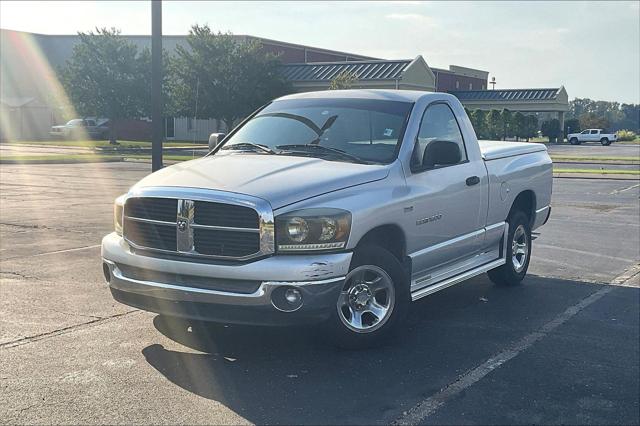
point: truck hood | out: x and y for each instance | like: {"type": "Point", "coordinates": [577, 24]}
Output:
{"type": "Point", "coordinates": [279, 179]}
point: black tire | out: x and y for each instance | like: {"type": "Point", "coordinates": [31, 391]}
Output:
{"type": "Point", "coordinates": [339, 333]}
{"type": "Point", "coordinates": [511, 274]}
{"type": "Point", "coordinates": [605, 142]}
{"type": "Point", "coordinates": [574, 141]}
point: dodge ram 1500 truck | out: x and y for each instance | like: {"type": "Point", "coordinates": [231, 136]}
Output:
{"type": "Point", "coordinates": [336, 207]}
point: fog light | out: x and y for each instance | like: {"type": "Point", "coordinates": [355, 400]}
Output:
{"type": "Point", "coordinates": [293, 296]}
{"type": "Point", "coordinates": [286, 299]}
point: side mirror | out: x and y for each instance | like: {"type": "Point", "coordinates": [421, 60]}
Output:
{"type": "Point", "coordinates": [215, 139]}
{"type": "Point", "coordinates": [441, 153]}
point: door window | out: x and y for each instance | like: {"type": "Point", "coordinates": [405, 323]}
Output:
{"type": "Point", "coordinates": [438, 137]}
{"type": "Point", "coordinates": [594, 132]}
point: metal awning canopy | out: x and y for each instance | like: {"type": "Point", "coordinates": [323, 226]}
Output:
{"type": "Point", "coordinates": [523, 100]}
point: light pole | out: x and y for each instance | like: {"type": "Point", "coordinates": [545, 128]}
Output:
{"type": "Point", "coordinates": [156, 85]}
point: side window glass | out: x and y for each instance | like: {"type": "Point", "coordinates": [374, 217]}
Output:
{"type": "Point", "coordinates": [439, 141]}
{"type": "Point", "coordinates": [594, 132]}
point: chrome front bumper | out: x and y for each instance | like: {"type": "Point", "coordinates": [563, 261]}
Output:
{"type": "Point", "coordinates": [317, 277]}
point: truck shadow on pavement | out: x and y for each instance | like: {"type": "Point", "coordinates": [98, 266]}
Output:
{"type": "Point", "coordinates": [291, 376]}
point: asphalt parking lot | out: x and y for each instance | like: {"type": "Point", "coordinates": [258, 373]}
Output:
{"type": "Point", "coordinates": [562, 348]}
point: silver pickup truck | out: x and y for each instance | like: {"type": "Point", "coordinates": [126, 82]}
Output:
{"type": "Point", "coordinates": [336, 207]}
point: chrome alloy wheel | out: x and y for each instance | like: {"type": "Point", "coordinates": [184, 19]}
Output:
{"type": "Point", "coordinates": [367, 299]}
{"type": "Point", "coordinates": [519, 249]}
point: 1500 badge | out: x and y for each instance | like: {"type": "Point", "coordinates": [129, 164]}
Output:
{"type": "Point", "coordinates": [429, 219]}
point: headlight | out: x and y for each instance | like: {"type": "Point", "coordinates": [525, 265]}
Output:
{"type": "Point", "coordinates": [118, 212]}
{"type": "Point", "coordinates": [313, 229]}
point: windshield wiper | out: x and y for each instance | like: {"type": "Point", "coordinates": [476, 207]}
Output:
{"type": "Point", "coordinates": [250, 146]}
{"type": "Point", "coordinates": [311, 147]}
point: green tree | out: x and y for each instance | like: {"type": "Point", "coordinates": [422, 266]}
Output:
{"type": "Point", "coordinates": [494, 124]}
{"type": "Point", "coordinates": [619, 116]}
{"type": "Point", "coordinates": [507, 123]}
{"type": "Point", "coordinates": [478, 118]}
{"type": "Point", "coordinates": [106, 77]}
{"type": "Point", "coordinates": [344, 80]}
{"type": "Point", "coordinates": [591, 120]}
{"type": "Point", "coordinates": [519, 125]}
{"type": "Point", "coordinates": [551, 129]}
{"type": "Point", "coordinates": [571, 125]}
{"type": "Point", "coordinates": [532, 127]}
{"type": "Point", "coordinates": [630, 117]}
{"type": "Point", "coordinates": [224, 77]}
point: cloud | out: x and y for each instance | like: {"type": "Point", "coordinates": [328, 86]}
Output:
{"type": "Point", "coordinates": [413, 17]}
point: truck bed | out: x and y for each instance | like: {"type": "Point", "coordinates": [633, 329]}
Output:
{"type": "Point", "coordinates": [493, 150]}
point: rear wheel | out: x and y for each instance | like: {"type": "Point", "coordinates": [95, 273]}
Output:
{"type": "Point", "coordinates": [373, 300]}
{"type": "Point", "coordinates": [518, 252]}
{"type": "Point", "coordinates": [605, 142]}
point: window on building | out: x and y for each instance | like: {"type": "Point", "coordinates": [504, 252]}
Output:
{"type": "Point", "coordinates": [457, 84]}
{"type": "Point", "coordinates": [439, 125]}
{"type": "Point", "coordinates": [470, 86]}
{"type": "Point", "coordinates": [482, 86]}
{"type": "Point", "coordinates": [170, 127]}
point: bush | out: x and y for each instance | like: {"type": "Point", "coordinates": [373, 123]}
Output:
{"type": "Point", "coordinates": [551, 129]}
{"type": "Point", "coordinates": [626, 135]}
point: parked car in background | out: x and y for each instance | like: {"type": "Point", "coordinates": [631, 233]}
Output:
{"type": "Point", "coordinates": [592, 135]}
{"type": "Point", "coordinates": [339, 207]}
{"type": "Point", "coordinates": [82, 128]}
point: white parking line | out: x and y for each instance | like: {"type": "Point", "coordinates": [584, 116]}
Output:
{"type": "Point", "coordinates": [625, 189]}
{"type": "Point", "coordinates": [428, 406]}
{"type": "Point", "coordinates": [586, 253]}
{"type": "Point", "coordinates": [66, 250]}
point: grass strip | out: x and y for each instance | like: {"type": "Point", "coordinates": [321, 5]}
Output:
{"type": "Point", "coordinates": [83, 158]}
{"type": "Point", "coordinates": [594, 158]}
{"type": "Point", "coordinates": [164, 157]}
{"type": "Point", "coordinates": [58, 158]}
{"type": "Point", "coordinates": [598, 172]}
{"type": "Point", "coordinates": [102, 144]}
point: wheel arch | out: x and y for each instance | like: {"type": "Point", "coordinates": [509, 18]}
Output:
{"type": "Point", "coordinates": [525, 202]}
{"type": "Point", "coordinates": [391, 237]}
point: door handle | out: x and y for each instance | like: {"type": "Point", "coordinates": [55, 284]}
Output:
{"type": "Point", "coordinates": [473, 180]}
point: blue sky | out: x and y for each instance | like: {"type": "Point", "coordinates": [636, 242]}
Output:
{"type": "Point", "coordinates": [592, 48]}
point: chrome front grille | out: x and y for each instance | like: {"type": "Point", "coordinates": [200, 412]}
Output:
{"type": "Point", "coordinates": [207, 224]}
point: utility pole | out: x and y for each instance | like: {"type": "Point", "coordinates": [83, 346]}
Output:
{"type": "Point", "coordinates": [156, 85]}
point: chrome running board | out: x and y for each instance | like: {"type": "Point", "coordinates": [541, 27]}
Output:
{"type": "Point", "coordinates": [418, 294]}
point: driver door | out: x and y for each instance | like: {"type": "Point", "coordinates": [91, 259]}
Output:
{"type": "Point", "coordinates": [447, 221]}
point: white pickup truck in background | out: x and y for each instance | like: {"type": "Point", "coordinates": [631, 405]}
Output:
{"type": "Point", "coordinates": [592, 135]}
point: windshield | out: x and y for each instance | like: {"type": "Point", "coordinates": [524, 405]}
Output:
{"type": "Point", "coordinates": [360, 130]}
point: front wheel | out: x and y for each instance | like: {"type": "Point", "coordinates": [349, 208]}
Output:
{"type": "Point", "coordinates": [372, 302]}
{"type": "Point", "coordinates": [518, 252]}
{"type": "Point", "coordinates": [605, 142]}
{"type": "Point", "coordinates": [574, 141]}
